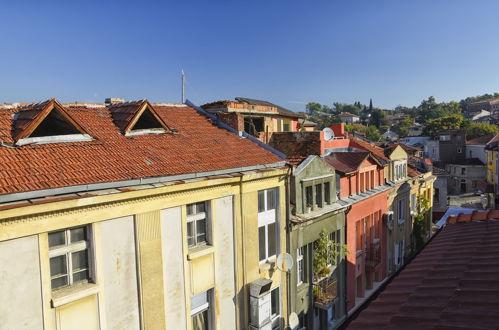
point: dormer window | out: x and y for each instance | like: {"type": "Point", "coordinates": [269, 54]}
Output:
{"type": "Point", "coordinates": [399, 170]}
{"type": "Point", "coordinates": [46, 122]}
{"type": "Point", "coordinates": [137, 118]}
{"type": "Point", "coordinates": [317, 192]}
{"type": "Point", "coordinates": [147, 123]}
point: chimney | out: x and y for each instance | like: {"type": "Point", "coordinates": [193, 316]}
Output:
{"type": "Point", "coordinates": [114, 100]}
{"type": "Point", "coordinates": [338, 129]}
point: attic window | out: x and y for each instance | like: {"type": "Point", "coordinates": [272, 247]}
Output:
{"type": "Point", "coordinates": [146, 123]}
{"type": "Point", "coordinates": [54, 124]}
{"type": "Point", "coordinates": [51, 124]}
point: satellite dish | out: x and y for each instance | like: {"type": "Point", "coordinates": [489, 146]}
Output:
{"type": "Point", "coordinates": [284, 262]}
{"type": "Point", "coordinates": [293, 321]}
{"type": "Point", "coordinates": [328, 134]}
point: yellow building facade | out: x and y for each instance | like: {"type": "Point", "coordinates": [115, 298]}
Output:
{"type": "Point", "coordinates": [143, 274]}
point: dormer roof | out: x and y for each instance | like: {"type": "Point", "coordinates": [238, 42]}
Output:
{"type": "Point", "coordinates": [137, 115]}
{"type": "Point", "coordinates": [44, 119]}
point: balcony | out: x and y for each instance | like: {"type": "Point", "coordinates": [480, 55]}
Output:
{"type": "Point", "coordinates": [325, 292]}
{"type": "Point", "coordinates": [373, 256]}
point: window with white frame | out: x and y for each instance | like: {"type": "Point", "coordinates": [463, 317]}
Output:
{"type": "Point", "coordinates": [399, 170]}
{"type": "Point", "coordinates": [69, 253]}
{"type": "Point", "coordinates": [267, 223]}
{"type": "Point", "coordinates": [201, 311]}
{"type": "Point", "coordinates": [197, 224]}
{"type": "Point", "coordinates": [300, 265]}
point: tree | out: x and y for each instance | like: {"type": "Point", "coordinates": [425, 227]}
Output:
{"type": "Point", "coordinates": [373, 134]}
{"type": "Point", "coordinates": [434, 126]}
{"type": "Point", "coordinates": [474, 130]}
{"type": "Point", "coordinates": [370, 105]}
{"type": "Point", "coordinates": [379, 118]}
{"type": "Point", "coordinates": [430, 109]}
{"type": "Point", "coordinates": [402, 128]}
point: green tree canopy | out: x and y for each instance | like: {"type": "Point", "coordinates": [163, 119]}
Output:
{"type": "Point", "coordinates": [430, 109]}
{"type": "Point", "coordinates": [474, 130]}
{"type": "Point", "coordinates": [402, 128]}
{"type": "Point", "coordinates": [434, 126]}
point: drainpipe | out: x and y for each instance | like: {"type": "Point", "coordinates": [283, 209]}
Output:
{"type": "Point", "coordinates": [288, 232]}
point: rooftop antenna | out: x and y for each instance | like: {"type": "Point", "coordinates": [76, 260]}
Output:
{"type": "Point", "coordinates": [183, 83]}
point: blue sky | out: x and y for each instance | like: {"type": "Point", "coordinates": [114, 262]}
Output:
{"type": "Point", "coordinates": [286, 52]}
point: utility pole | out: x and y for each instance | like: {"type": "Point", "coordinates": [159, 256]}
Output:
{"type": "Point", "coordinates": [183, 83]}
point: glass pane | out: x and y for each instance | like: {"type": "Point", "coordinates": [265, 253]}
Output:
{"type": "Point", "coordinates": [318, 195]}
{"type": "Point", "coordinates": [78, 234]}
{"type": "Point", "coordinates": [271, 199]}
{"type": "Point", "coordinates": [261, 201]}
{"type": "Point", "coordinates": [57, 238]}
{"type": "Point", "coordinates": [327, 196]}
{"type": "Point", "coordinates": [274, 298]}
{"type": "Point", "coordinates": [58, 282]}
{"type": "Point", "coordinates": [309, 196]}
{"type": "Point", "coordinates": [201, 239]}
{"type": "Point", "coordinates": [200, 321]}
{"type": "Point", "coordinates": [261, 242]}
{"type": "Point", "coordinates": [272, 239]}
{"type": "Point", "coordinates": [58, 266]}
{"type": "Point", "coordinates": [199, 300]}
{"type": "Point", "coordinates": [80, 260]}
{"type": "Point", "coordinates": [201, 227]}
{"type": "Point", "coordinates": [190, 233]}
{"type": "Point", "coordinates": [190, 209]}
{"type": "Point", "coordinates": [81, 276]}
{"type": "Point", "coordinates": [200, 207]}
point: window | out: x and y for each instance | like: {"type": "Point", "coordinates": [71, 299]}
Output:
{"type": "Point", "coordinates": [413, 203]}
{"type": "Point", "coordinates": [275, 303]}
{"type": "Point", "coordinates": [309, 196]}
{"type": "Point", "coordinates": [318, 195]}
{"type": "Point", "coordinates": [196, 224]}
{"type": "Point", "coordinates": [267, 226]}
{"type": "Point", "coordinates": [401, 210]}
{"type": "Point", "coordinates": [333, 237]}
{"type": "Point", "coordinates": [459, 150]}
{"type": "Point", "coordinates": [69, 257]}
{"type": "Point", "coordinates": [201, 311]}
{"type": "Point", "coordinates": [436, 195]}
{"type": "Point", "coordinates": [327, 192]}
{"type": "Point", "coordinates": [444, 137]}
{"type": "Point", "coordinates": [463, 171]}
{"type": "Point", "coordinates": [300, 263]}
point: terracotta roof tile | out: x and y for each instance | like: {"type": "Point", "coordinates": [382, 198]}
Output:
{"type": "Point", "coordinates": [483, 140]}
{"type": "Point", "coordinates": [346, 162]}
{"type": "Point", "coordinates": [199, 146]}
{"type": "Point", "coordinates": [378, 152]}
{"type": "Point", "coordinates": [452, 284]}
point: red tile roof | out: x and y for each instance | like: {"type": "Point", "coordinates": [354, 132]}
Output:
{"type": "Point", "coordinates": [378, 152]}
{"type": "Point", "coordinates": [483, 140]}
{"type": "Point", "coordinates": [199, 146]}
{"type": "Point", "coordinates": [452, 284]}
{"type": "Point", "coordinates": [346, 162]}
{"type": "Point", "coordinates": [347, 114]}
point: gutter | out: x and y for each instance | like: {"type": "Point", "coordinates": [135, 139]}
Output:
{"type": "Point", "coordinates": [127, 183]}
{"type": "Point", "coordinates": [242, 134]}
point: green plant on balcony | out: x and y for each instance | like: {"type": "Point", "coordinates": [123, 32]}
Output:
{"type": "Point", "coordinates": [420, 226]}
{"type": "Point", "coordinates": [325, 253]}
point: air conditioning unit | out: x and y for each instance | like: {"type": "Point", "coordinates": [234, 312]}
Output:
{"type": "Point", "coordinates": [389, 219]}
{"type": "Point", "coordinates": [260, 304]}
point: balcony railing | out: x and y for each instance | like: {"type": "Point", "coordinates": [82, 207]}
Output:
{"type": "Point", "coordinates": [325, 291]}
{"type": "Point", "coordinates": [373, 256]}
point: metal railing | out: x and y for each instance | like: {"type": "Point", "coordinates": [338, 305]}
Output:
{"type": "Point", "coordinates": [325, 291]}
